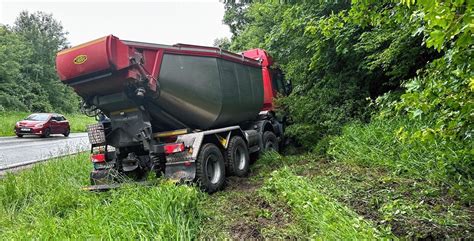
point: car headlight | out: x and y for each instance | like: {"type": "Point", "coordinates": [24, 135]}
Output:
{"type": "Point", "coordinates": [39, 125]}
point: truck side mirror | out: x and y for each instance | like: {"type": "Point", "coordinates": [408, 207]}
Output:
{"type": "Point", "coordinates": [288, 87]}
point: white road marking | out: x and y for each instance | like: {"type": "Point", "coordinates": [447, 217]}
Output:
{"type": "Point", "coordinates": [16, 152]}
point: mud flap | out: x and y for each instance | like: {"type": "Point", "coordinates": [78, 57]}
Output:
{"type": "Point", "coordinates": [101, 187]}
{"type": "Point", "coordinates": [107, 187]}
{"type": "Point", "coordinates": [183, 171]}
{"type": "Point", "coordinates": [103, 176]}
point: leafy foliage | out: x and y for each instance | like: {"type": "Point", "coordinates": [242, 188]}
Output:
{"type": "Point", "coordinates": [335, 57]}
{"type": "Point", "coordinates": [443, 92]}
{"type": "Point", "coordinates": [411, 60]}
{"type": "Point", "coordinates": [16, 91]}
{"type": "Point", "coordinates": [223, 43]}
{"type": "Point", "coordinates": [320, 216]}
{"type": "Point", "coordinates": [27, 65]}
{"type": "Point", "coordinates": [386, 143]}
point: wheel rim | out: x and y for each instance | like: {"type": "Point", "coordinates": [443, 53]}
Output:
{"type": "Point", "coordinates": [46, 132]}
{"type": "Point", "coordinates": [213, 169]}
{"type": "Point", "coordinates": [240, 158]}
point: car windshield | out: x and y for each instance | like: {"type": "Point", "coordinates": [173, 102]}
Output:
{"type": "Point", "coordinates": [37, 117]}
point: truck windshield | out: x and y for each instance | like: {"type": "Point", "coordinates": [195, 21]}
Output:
{"type": "Point", "coordinates": [278, 82]}
{"type": "Point", "coordinates": [37, 117]}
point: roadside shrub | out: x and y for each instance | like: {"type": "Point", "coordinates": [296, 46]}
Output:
{"type": "Point", "coordinates": [320, 216]}
{"type": "Point", "coordinates": [398, 145]}
{"type": "Point", "coordinates": [322, 146]}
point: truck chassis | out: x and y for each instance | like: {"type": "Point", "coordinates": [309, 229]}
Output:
{"type": "Point", "coordinates": [205, 157]}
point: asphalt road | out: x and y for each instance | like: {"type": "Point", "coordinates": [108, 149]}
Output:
{"type": "Point", "coordinates": [16, 151]}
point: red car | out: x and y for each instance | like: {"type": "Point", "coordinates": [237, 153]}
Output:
{"type": "Point", "coordinates": [43, 124]}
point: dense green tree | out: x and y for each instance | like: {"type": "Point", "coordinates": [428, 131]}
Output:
{"type": "Point", "coordinates": [407, 60]}
{"type": "Point", "coordinates": [223, 43]}
{"type": "Point", "coordinates": [28, 79]}
{"type": "Point", "coordinates": [17, 92]}
{"type": "Point", "coordinates": [337, 59]}
{"type": "Point", "coordinates": [444, 92]}
{"type": "Point", "coordinates": [46, 37]}
{"type": "Point", "coordinates": [234, 15]}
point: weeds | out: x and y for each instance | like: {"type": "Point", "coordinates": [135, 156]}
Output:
{"type": "Point", "coordinates": [46, 202]}
{"type": "Point", "coordinates": [242, 213]}
{"type": "Point", "coordinates": [298, 196]}
{"type": "Point", "coordinates": [410, 208]}
{"type": "Point", "coordinates": [320, 216]}
{"type": "Point", "coordinates": [395, 146]}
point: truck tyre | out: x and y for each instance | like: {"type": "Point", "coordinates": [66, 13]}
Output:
{"type": "Point", "coordinates": [210, 168]}
{"type": "Point", "coordinates": [270, 141]}
{"type": "Point", "coordinates": [237, 157]}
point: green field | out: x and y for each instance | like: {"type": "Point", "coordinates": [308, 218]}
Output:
{"type": "Point", "coordinates": [8, 119]}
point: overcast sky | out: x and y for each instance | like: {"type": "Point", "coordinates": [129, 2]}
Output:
{"type": "Point", "coordinates": [165, 22]}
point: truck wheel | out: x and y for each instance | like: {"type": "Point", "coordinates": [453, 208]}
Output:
{"type": "Point", "coordinates": [210, 168]}
{"type": "Point", "coordinates": [237, 157]}
{"type": "Point", "coordinates": [270, 141]}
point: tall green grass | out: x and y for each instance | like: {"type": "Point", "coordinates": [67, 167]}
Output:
{"type": "Point", "coordinates": [8, 119]}
{"type": "Point", "coordinates": [46, 203]}
{"type": "Point", "coordinates": [396, 146]}
{"type": "Point", "coordinates": [320, 216]}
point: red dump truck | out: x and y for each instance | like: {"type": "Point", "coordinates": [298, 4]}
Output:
{"type": "Point", "coordinates": [187, 112]}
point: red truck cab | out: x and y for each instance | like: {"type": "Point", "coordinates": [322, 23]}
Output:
{"type": "Point", "coordinates": [273, 78]}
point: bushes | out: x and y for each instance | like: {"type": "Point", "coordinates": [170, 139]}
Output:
{"type": "Point", "coordinates": [46, 202]}
{"type": "Point", "coordinates": [28, 79]}
{"type": "Point", "coordinates": [320, 216]}
{"type": "Point", "coordinates": [394, 144]}
{"type": "Point", "coordinates": [337, 54]}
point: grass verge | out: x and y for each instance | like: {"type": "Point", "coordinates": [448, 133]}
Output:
{"type": "Point", "coordinates": [320, 216]}
{"type": "Point", "coordinates": [409, 207]}
{"type": "Point", "coordinates": [8, 119]}
{"type": "Point", "coordinates": [242, 213]}
{"type": "Point", "coordinates": [305, 196]}
{"type": "Point", "coordinates": [398, 146]}
{"type": "Point", "coordinates": [292, 197]}
{"type": "Point", "coordinates": [45, 202]}
{"type": "Point", "coordinates": [267, 205]}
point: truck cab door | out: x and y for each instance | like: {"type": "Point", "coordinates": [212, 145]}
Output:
{"type": "Point", "coordinates": [279, 85]}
